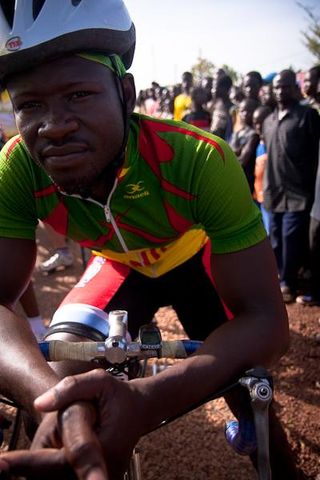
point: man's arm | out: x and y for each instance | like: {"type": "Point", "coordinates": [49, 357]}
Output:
{"type": "Point", "coordinates": [248, 150]}
{"type": "Point", "coordinates": [24, 372]}
{"type": "Point", "coordinates": [258, 335]}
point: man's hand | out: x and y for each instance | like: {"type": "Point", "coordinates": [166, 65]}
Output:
{"type": "Point", "coordinates": [94, 432]}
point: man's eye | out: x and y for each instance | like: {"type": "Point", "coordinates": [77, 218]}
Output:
{"type": "Point", "coordinates": [28, 105]}
{"type": "Point", "coordinates": [80, 94]}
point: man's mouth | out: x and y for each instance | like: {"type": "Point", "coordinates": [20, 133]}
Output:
{"type": "Point", "coordinates": [64, 156]}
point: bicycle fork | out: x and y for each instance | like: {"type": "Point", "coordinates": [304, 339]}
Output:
{"type": "Point", "coordinates": [261, 392]}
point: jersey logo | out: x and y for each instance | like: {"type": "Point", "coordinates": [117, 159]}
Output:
{"type": "Point", "coordinates": [13, 44]}
{"type": "Point", "coordinates": [135, 190]}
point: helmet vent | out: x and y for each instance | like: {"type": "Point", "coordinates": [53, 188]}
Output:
{"type": "Point", "coordinates": [36, 7]}
{"type": "Point", "coordinates": [75, 3]}
{"type": "Point", "coordinates": [8, 10]}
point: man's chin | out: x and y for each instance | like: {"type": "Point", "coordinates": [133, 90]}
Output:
{"type": "Point", "coordinates": [75, 189]}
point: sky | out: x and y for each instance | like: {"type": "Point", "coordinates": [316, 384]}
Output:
{"type": "Point", "coordinates": [263, 35]}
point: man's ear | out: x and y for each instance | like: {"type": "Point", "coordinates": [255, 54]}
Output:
{"type": "Point", "coordinates": [129, 91]}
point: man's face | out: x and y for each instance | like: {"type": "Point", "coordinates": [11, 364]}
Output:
{"type": "Point", "coordinates": [284, 89]}
{"type": "Point", "coordinates": [69, 115]}
{"type": "Point", "coordinates": [257, 121]}
{"type": "Point", "coordinates": [251, 87]}
{"type": "Point", "coordinates": [187, 81]}
{"type": "Point", "coordinates": [266, 95]}
{"type": "Point", "coordinates": [310, 84]}
{"type": "Point", "coordinates": [246, 112]}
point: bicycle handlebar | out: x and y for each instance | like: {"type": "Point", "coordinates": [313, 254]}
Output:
{"type": "Point", "coordinates": [57, 350]}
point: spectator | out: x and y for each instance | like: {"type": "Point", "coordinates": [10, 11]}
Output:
{"type": "Point", "coordinates": [166, 109]}
{"type": "Point", "coordinates": [30, 307]}
{"type": "Point", "coordinates": [151, 103]}
{"type": "Point", "coordinates": [198, 116]}
{"type": "Point", "coordinates": [236, 95]}
{"type": "Point", "coordinates": [251, 85]}
{"type": "Point", "coordinates": [61, 256]}
{"type": "Point", "coordinates": [259, 115]}
{"type": "Point", "coordinates": [182, 102]}
{"type": "Point", "coordinates": [221, 108]}
{"type": "Point", "coordinates": [3, 138]}
{"type": "Point", "coordinates": [140, 102]}
{"type": "Point", "coordinates": [312, 89]}
{"type": "Point", "coordinates": [313, 296]}
{"type": "Point", "coordinates": [244, 142]}
{"type": "Point", "coordinates": [267, 97]}
{"type": "Point", "coordinates": [291, 135]}
{"type": "Point", "coordinates": [218, 73]}
{"type": "Point", "coordinates": [207, 84]}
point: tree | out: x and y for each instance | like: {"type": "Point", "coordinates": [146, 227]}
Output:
{"type": "Point", "coordinates": [312, 35]}
{"type": "Point", "coordinates": [203, 68]}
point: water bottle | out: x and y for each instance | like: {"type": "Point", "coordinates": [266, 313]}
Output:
{"type": "Point", "coordinates": [241, 436]}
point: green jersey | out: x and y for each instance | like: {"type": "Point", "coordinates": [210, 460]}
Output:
{"type": "Point", "coordinates": [178, 187]}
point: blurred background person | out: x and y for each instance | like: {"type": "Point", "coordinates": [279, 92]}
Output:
{"type": "Point", "coordinates": [61, 257]}
{"type": "Point", "coordinates": [244, 142]}
{"type": "Point", "coordinates": [310, 87]}
{"type": "Point", "coordinates": [251, 85]}
{"type": "Point", "coordinates": [182, 102]}
{"type": "Point", "coordinates": [221, 108]}
{"type": "Point", "coordinates": [207, 84]}
{"type": "Point", "coordinates": [198, 116]}
{"type": "Point", "coordinates": [312, 296]}
{"type": "Point", "coordinates": [28, 301]}
{"type": "Point", "coordinates": [267, 97]}
{"type": "Point", "coordinates": [259, 116]}
{"type": "Point", "coordinates": [291, 134]}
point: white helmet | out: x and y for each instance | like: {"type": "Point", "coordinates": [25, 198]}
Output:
{"type": "Point", "coordinates": [33, 31]}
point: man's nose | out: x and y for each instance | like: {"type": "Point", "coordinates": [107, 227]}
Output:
{"type": "Point", "coordinates": [57, 124]}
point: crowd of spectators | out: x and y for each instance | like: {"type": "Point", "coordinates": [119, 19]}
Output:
{"type": "Point", "coordinates": [273, 126]}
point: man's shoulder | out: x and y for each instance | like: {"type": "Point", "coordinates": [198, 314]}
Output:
{"type": "Point", "coordinates": [14, 147]}
{"type": "Point", "coordinates": [16, 163]}
{"type": "Point", "coordinates": [308, 115]}
{"type": "Point", "coordinates": [303, 108]}
{"type": "Point", "coordinates": [162, 125]}
{"type": "Point", "coordinates": [167, 136]}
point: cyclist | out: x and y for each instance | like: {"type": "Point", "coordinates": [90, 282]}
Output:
{"type": "Point", "coordinates": [164, 205]}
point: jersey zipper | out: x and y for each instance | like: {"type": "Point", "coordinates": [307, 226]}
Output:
{"type": "Point", "coordinates": [110, 219]}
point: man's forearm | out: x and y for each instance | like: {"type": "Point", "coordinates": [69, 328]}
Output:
{"type": "Point", "coordinates": [229, 351]}
{"type": "Point", "coordinates": [24, 372]}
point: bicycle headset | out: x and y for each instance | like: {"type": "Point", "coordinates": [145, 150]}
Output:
{"type": "Point", "coordinates": [37, 31]}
